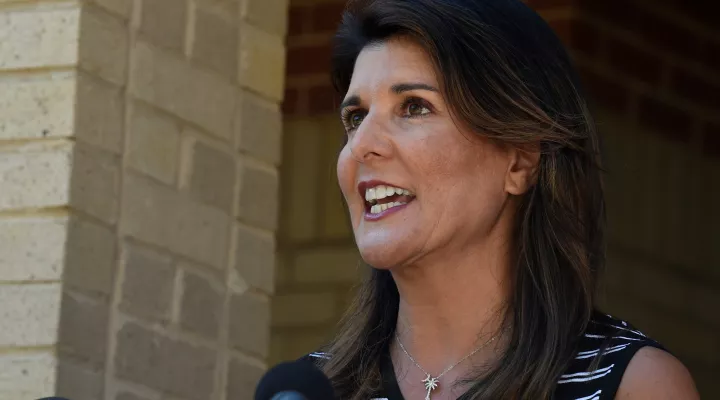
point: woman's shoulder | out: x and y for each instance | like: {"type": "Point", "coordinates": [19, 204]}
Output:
{"type": "Point", "coordinates": [606, 355]}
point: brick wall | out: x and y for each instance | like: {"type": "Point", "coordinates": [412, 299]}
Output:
{"type": "Point", "coordinates": [652, 71]}
{"type": "Point", "coordinates": [139, 150]}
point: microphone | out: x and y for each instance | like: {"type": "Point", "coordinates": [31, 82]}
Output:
{"type": "Point", "coordinates": [296, 380]}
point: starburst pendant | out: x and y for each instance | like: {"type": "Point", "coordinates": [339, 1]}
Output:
{"type": "Point", "coordinates": [430, 385]}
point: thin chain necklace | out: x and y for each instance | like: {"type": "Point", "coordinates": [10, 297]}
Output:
{"type": "Point", "coordinates": [432, 383]}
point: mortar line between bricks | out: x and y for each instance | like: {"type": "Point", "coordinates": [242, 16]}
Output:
{"type": "Point", "coordinates": [58, 211]}
{"type": "Point", "coordinates": [12, 144]}
{"type": "Point", "coordinates": [36, 72]}
{"type": "Point", "coordinates": [27, 350]}
{"type": "Point", "coordinates": [30, 282]}
{"type": "Point", "coordinates": [24, 5]}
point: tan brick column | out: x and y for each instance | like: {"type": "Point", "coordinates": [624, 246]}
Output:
{"type": "Point", "coordinates": [139, 153]}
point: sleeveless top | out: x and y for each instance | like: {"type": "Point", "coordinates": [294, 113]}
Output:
{"type": "Point", "coordinates": [617, 339]}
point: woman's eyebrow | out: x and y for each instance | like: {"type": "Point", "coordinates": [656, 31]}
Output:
{"type": "Point", "coordinates": [404, 87]}
{"type": "Point", "coordinates": [353, 100]}
{"type": "Point", "coordinates": [397, 88]}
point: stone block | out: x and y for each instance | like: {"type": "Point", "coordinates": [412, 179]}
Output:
{"type": "Point", "coordinates": [174, 85]}
{"type": "Point", "coordinates": [259, 128]}
{"type": "Point", "coordinates": [336, 222]}
{"type": "Point", "coordinates": [83, 328]}
{"type": "Point", "coordinates": [27, 375]}
{"type": "Point", "coordinates": [37, 37]}
{"type": "Point", "coordinates": [39, 107]}
{"type": "Point", "coordinates": [95, 182]}
{"type": "Point", "coordinates": [161, 216]}
{"type": "Point", "coordinates": [242, 379]}
{"type": "Point", "coordinates": [169, 365]}
{"type": "Point", "coordinates": [269, 15]}
{"type": "Point", "coordinates": [255, 257]}
{"type": "Point", "coordinates": [90, 257]}
{"type": "Point", "coordinates": [229, 8]}
{"type": "Point", "coordinates": [30, 314]}
{"type": "Point", "coordinates": [35, 175]}
{"type": "Point", "coordinates": [122, 8]}
{"type": "Point", "coordinates": [32, 248]}
{"type": "Point", "coordinates": [262, 62]}
{"type": "Point", "coordinates": [301, 184]}
{"type": "Point", "coordinates": [202, 305]}
{"type": "Point", "coordinates": [328, 265]}
{"type": "Point", "coordinates": [162, 22]}
{"type": "Point", "coordinates": [215, 44]}
{"type": "Point", "coordinates": [303, 309]}
{"type": "Point", "coordinates": [210, 177]}
{"type": "Point", "coordinates": [79, 382]}
{"type": "Point", "coordinates": [153, 143]}
{"type": "Point", "coordinates": [129, 396]}
{"type": "Point", "coordinates": [99, 113]}
{"type": "Point", "coordinates": [258, 196]}
{"type": "Point", "coordinates": [147, 289]}
{"type": "Point", "coordinates": [103, 48]}
{"type": "Point", "coordinates": [250, 323]}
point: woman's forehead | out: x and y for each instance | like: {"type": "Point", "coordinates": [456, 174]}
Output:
{"type": "Point", "coordinates": [382, 65]}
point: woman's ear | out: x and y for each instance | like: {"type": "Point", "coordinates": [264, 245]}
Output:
{"type": "Point", "coordinates": [522, 168]}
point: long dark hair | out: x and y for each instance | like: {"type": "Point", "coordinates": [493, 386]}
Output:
{"type": "Point", "coordinates": [506, 76]}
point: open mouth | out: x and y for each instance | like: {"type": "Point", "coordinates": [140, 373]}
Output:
{"type": "Point", "coordinates": [380, 198]}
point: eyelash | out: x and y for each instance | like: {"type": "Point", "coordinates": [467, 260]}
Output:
{"type": "Point", "coordinates": [347, 113]}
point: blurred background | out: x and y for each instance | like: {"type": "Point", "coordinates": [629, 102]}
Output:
{"type": "Point", "coordinates": [170, 222]}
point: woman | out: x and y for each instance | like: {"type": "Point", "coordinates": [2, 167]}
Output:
{"type": "Point", "coordinates": [472, 178]}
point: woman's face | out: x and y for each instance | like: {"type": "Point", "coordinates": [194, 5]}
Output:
{"type": "Point", "coordinates": [417, 185]}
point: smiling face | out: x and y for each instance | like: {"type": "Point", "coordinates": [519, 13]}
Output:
{"type": "Point", "coordinates": [444, 188]}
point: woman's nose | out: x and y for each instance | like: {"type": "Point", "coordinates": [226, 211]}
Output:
{"type": "Point", "coordinates": [370, 140]}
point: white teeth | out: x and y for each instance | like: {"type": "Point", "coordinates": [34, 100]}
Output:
{"type": "Point", "coordinates": [378, 208]}
{"type": "Point", "coordinates": [370, 194]}
{"type": "Point", "coordinates": [381, 191]}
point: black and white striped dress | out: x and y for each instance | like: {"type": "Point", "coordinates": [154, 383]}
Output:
{"type": "Point", "coordinates": [619, 340]}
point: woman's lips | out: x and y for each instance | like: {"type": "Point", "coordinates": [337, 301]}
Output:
{"type": "Point", "coordinates": [376, 212]}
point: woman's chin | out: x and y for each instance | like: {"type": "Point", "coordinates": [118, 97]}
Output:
{"type": "Point", "coordinates": [381, 256]}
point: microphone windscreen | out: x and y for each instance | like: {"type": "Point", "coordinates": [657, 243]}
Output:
{"type": "Point", "coordinates": [289, 396]}
{"type": "Point", "coordinates": [301, 377]}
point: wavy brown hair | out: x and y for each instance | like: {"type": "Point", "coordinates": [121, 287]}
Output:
{"type": "Point", "coordinates": [506, 76]}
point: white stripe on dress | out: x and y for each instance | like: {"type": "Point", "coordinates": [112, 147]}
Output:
{"type": "Point", "coordinates": [608, 351]}
{"type": "Point", "coordinates": [585, 376]}
{"type": "Point", "coordinates": [320, 355]}
{"type": "Point", "coordinates": [594, 396]}
{"type": "Point", "coordinates": [597, 371]}
{"type": "Point", "coordinates": [619, 327]}
{"type": "Point", "coordinates": [612, 337]}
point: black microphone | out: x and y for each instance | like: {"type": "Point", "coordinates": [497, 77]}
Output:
{"type": "Point", "coordinates": [296, 380]}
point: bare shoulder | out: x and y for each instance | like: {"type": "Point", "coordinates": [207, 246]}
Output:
{"type": "Point", "coordinates": [656, 374]}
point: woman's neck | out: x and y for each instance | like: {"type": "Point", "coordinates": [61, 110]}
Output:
{"type": "Point", "coordinates": [449, 308]}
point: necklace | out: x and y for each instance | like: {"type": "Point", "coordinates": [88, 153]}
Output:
{"type": "Point", "coordinates": [432, 383]}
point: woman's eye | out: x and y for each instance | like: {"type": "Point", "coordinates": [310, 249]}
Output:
{"type": "Point", "coordinates": [416, 109]}
{"type": "Point", "coordinates": [355, 119]}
